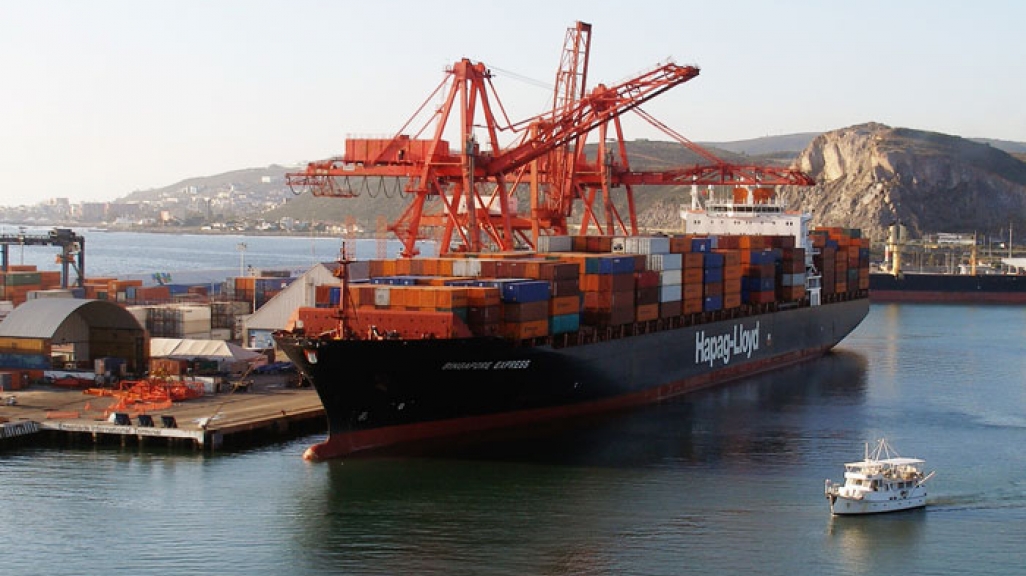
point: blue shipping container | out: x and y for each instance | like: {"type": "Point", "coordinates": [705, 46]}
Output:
{"type": "Point", "coordinates": [712, 275]}
{"type": "Point", "coordinates": [712, 260]}
{"type": "Point", "coordinates": [701, 244]}
{"type": "Point", "coordinates": [712, 303]}
{"type": "Point", "coordinates": [760, 257]}
{"type": "Point", "coordinates": [757, 284]}
{"type": "Point", "coordinates": [609, 265]}
{"type": "Point", "coordinates": [526, 291]}
{"type": "Point", "coordinates": [564, 323]}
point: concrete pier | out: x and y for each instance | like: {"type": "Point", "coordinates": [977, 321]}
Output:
{"type": "Point", "coordinates": [268, 411]}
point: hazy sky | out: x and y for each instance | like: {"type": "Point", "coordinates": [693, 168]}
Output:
{"type": "Point", "coordinates": [100, 98]}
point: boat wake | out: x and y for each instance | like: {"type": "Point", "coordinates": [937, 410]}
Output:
{"type": "Point", "coordinates": [1007, 500]}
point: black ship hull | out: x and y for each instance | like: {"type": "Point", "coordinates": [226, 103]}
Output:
{"type": "Point", "coordinates": [378, 393]}
{"type": "Point", "coordinates": [953, 288]}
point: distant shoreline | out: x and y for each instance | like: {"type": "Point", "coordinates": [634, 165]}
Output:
{"type": "Point", "coordinates": [99, 228]}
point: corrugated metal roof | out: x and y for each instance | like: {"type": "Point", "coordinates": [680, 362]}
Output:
{"type": "Point", "coordinates": [41, 318]}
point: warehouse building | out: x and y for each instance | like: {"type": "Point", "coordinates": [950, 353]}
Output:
{"type": "Point", "coordinates": [70, 333]}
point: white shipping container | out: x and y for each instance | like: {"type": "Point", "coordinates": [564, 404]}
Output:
{"type": "Point", "coordinates": [196, 326]}
{"type": "Point", "coordinates": [671, 277]}
{"type": "Point", "coordinates": [648, 245]}
{"type": "Point", "coordinates": [670, 293]}
{"type": "Point", "coordinates": [187, 313]}
{"type": "Point", "coordinates": [382, 296]}
{"type": "Point", "coordinates": [665, 262]}
{"type": "Point", "coordinates": [622, 244]}
{"type": "Point", "coordinates": [555, 243]}
{"type": "Point", "coordinates": [466, 267]}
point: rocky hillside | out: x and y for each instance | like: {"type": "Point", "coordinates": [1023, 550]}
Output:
{"type": "Point", "coordinates": [870, 175]}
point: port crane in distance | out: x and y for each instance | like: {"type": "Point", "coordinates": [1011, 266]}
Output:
{"type": "Point", "coordinates": [72, 247]}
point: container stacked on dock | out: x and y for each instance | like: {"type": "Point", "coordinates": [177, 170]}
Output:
{"type": "Point", "coordinates": [589, 281]}
{"type": "Point", "coordinates": [23, 282]}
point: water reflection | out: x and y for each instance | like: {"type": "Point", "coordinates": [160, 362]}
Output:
{"type": "Point", "coordinates": [762, 416]}
{"type": "Point", "coordinates": [876, 543]}
{"type": "Point", "coordinates": [589, 496]}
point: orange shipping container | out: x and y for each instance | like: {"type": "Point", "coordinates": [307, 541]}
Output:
{"type": "Point", "coordinates": [450, 297]}
{"type": "Point", "coordinates": [423, 296]}
{"type": "Point", "coordinates": [444, 266]}
{"type": "Point", "coordinates": [692, 305]}
{"type": "Point", "coordinates": [524, 330]}
{"type": "Point", "coordinates": [403, 267]}
{"type": "Point", "coordinates": [646, 312]}
{"type": "Point", "coordinates": [680, 244]}
{"type": "Point", "coordinates": [564, 305]}
{"type": "Point", "coordinates": [397, 297]}
{"type": "Point", "coordinates": [608, 300]}
{"type": "Point", "coordinates": [692, 276]}
{"type": "Point", "coordinates": [50, 279]}
{"type": "Point", "coordinates": [730, 257]}
{"type": "Point", "coordinates": [692, 292]}
{"type": "Point", "coordinates": [752, 243]}
{"type": "Point", "coordinates": [483, 296]}
{"type": "Point", "coordinates": [694, 260]}
{"type": "Point", "coordinates": [732, 300]}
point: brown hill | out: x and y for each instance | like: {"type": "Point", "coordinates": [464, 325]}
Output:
{"type": "Point", "coordinates": [870, 175]}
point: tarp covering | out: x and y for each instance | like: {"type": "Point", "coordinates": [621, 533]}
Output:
{"type": "Point", "coordinates": [187, 349]}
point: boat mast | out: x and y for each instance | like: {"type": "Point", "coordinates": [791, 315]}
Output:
{"type": "Point", "coordinates": [345, 301]}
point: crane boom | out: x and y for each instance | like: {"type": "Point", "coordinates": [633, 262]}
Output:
{"type": "Point", "coordinates": [476, 181]}
{"type": "Point", "coordinates": [599, 106]}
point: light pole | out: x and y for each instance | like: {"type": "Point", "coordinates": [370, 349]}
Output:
{"type": "Point", "coordinates": [241, 247]}
{"type": "Point", "coordinates": [21, 238]}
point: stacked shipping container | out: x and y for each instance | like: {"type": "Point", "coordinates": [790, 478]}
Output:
{"type": "Point", "coordinates": [19, 282]}
{"type": "Point", "coordinates": [596, 281]}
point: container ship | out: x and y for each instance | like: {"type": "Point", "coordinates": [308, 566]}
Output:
{"type": "Point", "coordinates": [950, 288]}
{"type": "Point", "coordinates": [424, 348]}
{"type": "Point", "coordinates": [967, 286]}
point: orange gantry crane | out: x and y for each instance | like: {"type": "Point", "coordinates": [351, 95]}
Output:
{"type": "Point", "coordinates": [477, 189]}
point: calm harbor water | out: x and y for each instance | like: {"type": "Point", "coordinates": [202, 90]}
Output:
{"type": "Point", "coordinates": [189, 256]}
{"type": "Point", "coordinates": [726, 481]}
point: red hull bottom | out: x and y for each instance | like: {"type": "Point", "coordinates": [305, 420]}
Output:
{"type": "Point", "coordinates": [338, 445]}
{"type": "Point", "coordinates": [947, 297]}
